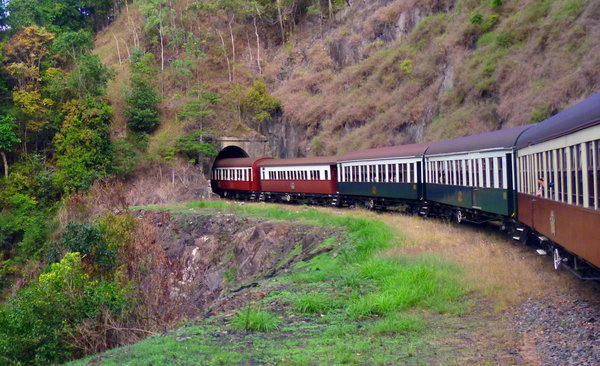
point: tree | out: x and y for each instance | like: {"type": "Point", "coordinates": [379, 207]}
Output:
{"type": "Point", "coordinates": [24, 54]}
{"type": "Point", "coordinates": [8, 139]}
{"type": "Point", "coordinates": [71, 44]}
{"type": "Point", "coordinates": [142, 99]}
{"type": "Point", "coordinates": [60, 15]}
{"type": "Point", "coordinates": [199, 109]}
{"type": "Point", "coordinates": [90, 77]}
{"type": "Point", "coordinates": [83, 147]}
{"type": "Point", "coordinates": [259, 104]}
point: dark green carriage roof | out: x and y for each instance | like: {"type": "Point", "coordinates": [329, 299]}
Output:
{"type": "Point", "coordinates": [389, 152]}
{"type": "Point", "coordinates": [500, 139]}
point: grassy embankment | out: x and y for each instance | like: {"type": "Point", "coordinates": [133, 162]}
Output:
{"type": "Point", "coordinates": [351, 305]}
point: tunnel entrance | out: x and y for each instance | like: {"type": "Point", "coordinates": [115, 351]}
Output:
{"type": "Point", "coordinates": [230, 152]}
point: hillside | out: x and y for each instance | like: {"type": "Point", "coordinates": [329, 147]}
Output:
{"type": "Point", "coordinates": [106, 105]}
{"type": "Point", "coordinates": [378, 73]}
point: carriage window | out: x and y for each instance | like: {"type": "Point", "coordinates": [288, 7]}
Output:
{"type": "Point", "coordinates": [326, 174]}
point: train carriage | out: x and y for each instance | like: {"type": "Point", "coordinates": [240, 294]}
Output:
{"type": "Point", "coordinates": [472, 177]}
{"type": "Point", "coordinates": [559, 182]}
{"type": "Point", "coordinates": [300, 179]}
{"type": "Point", "coordinates": [382, 177]}
{"type": "Point", "coordinates": [237, 178]}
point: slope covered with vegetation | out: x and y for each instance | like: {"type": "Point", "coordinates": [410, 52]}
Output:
{"type": "Point", "coordinates": [104, 104]}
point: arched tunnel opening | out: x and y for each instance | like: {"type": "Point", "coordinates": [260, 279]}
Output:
{"type": "Point", "coordinates": [231, 152]}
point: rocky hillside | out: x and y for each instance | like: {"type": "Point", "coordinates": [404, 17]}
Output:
{"type": "Point", "coordinates": [373, 73]}
{"type": "Point", "coordinates": [392, 72]}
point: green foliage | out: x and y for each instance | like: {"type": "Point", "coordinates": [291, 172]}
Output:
{"type": "Point", "coordinates": [37, 326]}
{"type": "Point", "coordinates": [505, 39]}
{"type": "Point", "coordinates": [83, 147]}
{"type": "Point", "coordinates": [142, 99]}
{"type": "Point", "coordinates": [256, 320]}
{"type": "Point", "coordinates": [59, 15]}
{"type": "Point", "coordinates": [193, 146]}
{"type": "Point", "coordinates": [32, 178]}
{"type": "Point", "coordinates": [71, 44]}
{"type": "Point", "coordinates": [91, 244]}
{"type": "Point", "coordinates": [23, 227]}
{"type": "Point", "coordinates": [406, 66]}
{"type": "Point", "coordinates": [198, 110]}
{"type": "Point", "coordinates": [8, 136]}
{"type": "Point", "coordinates": [90, 77]}
{"type": "Point", "coordinates": [258, 104]}
{"type": "Point", "coordinates": [496, 4]}
{"type": "Point", "coordinates": [476, 18]}
{"type": "Point", "coordinates": [125, 159]}
{"type": "Point", "coordinates": [540, 113]}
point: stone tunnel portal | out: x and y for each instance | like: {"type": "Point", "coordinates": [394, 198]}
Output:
{"type": "Point", "coordinates": [229, 152]}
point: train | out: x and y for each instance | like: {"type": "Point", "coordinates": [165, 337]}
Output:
{"type": "Point", "coordinates": [539, 182]}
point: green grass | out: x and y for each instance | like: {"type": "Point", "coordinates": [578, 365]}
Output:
{"type": "Point", "coordinates": [348, 306]}
{"type": "Point", "coordinates": [256, 320]}
{"type": "Point", "coordinates": [316, 303]}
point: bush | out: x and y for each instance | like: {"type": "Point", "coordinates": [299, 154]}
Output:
{"type": "Point", "coordinates": [194, 146]}
{"type": "Point", "coordinates": [258, 104]}
{"type": "Point", "coordinates": [39, 324]}
{"type": "Point", "coordinates": [91, 243]}
{"type": "Point", "coordinates": [142, 106]}
{"type": "Point", "coordinates": [83, 146]}
{"type": "Point", "coordinates": [125, 159]}
{"type": "Point", "coordinates": [142, 99]}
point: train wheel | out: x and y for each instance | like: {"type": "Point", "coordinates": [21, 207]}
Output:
{"type": "Point", "coordinates": [458, 216]}
{"type": "Point", "coordinates": [370, 204]}
{"type": "Point", "coordinates": [557, 258]}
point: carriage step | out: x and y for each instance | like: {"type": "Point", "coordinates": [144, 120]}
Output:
{"type": "Point", "coordinates": [517, 238]}
{"type": "Point", "coordinates": [541, 252]}
{"type": "Point", "coordinates": [521, 229]}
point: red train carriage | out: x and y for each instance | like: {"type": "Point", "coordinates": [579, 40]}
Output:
{"type": "Point", "coordinates": [312, 180]}
{"type": "Point", "coordinates": [559, 184]}
{"type": "Point", "coordinates": [237, 178]}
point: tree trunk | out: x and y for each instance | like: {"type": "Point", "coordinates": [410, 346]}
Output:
{"type": "Point", "coordinates": [118, 49]}
{"type": "Point", "coordinates": [5, 164]}
{"type": "Point", "coordinates": [330, 10]}
{"type": "Point", "coordinates": [226, 55]}
{"type": "Point", "coordinates": [232, 48]}
{"type": "Point", "coordinates": [257, 47]}
{"type": "Point", "coordinates": [281, 20]}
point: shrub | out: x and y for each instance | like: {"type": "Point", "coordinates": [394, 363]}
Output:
{"type": "Point", "coordinates": [91, 243]}
{"type": "Point", "coordinates": [258, 103]}
{"type": "Point", "coordinates": [125, 159]}
{"type": "Point", "coordinates": [496, 4]}
{"type": "Point", "coordinates": [476, 18]}
{"type": "Point", "coordinates": [38, 325]}
{"type": "Point", "coordinates": [256, 320]}
{"type": "Point", "coordinates": [83, 146]}
{"type": "Point", "coordinates": [142, 98]}
{"type": "Point", "coordinates": [195, 146]}
{"type": "Point", "coordinates": [142, 106]}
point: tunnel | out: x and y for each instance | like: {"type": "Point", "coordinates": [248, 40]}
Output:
{"type": "Point", "coordinates": [229, 152]}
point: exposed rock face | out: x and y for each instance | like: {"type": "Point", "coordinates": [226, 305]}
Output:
{"type": "Point", "coordinates": [285, 139]}
{"type": "Point", "coordinates": [209, 255]}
